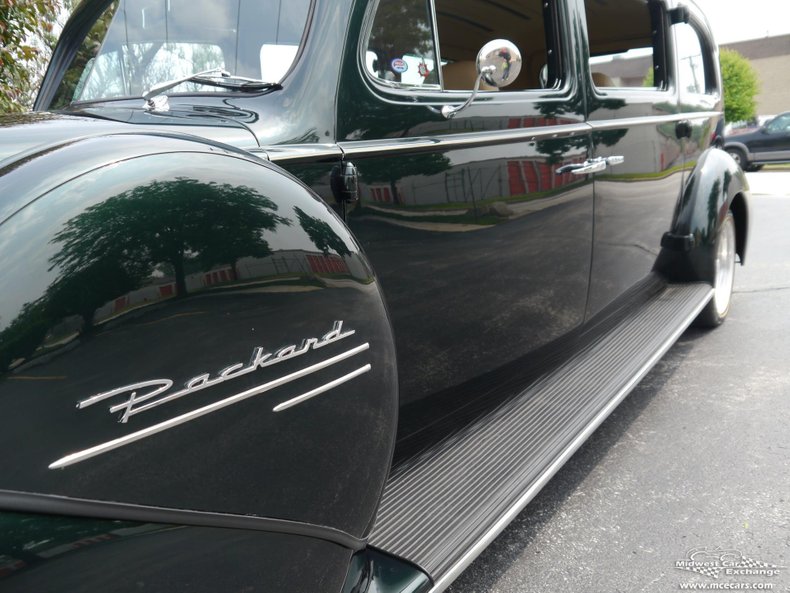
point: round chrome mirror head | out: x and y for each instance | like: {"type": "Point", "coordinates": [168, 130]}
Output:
{"type": "Point", "coordinates": [499, 61]}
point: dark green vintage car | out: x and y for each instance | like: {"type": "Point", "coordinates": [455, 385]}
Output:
{"type": "Point", "coordinates": [315, 296]}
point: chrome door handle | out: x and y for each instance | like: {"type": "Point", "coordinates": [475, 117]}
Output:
{"type": "Point", "coordinates": [591, 166]}
{"type": "Point", "coordinates": [595, 165]}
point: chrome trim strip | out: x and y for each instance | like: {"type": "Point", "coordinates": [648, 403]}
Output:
{"type": "Point", "coordinates": [194, 414]}
{"type": "Point", "coordinates": [653, 120]}
{"type": "Point", "coordinates": [319, 390]}
{"type": "Point", "coordinates": [50, 504]}
{"type": "Point", "coordinates": [291, 153]}
{"type": "Point", "coordinates": [369, 148]}
{"type": "Point", "coordinates": [447, 578]}
{"type": "Point", "coordinates": [701, 114]}
{"type": "Point", "coordinates": [463, 140]}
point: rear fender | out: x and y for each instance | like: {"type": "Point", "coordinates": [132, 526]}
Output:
{"type": "Point", "coordinates": [186, 326]}
{"type": "Point", "coordinates": [715, 186]}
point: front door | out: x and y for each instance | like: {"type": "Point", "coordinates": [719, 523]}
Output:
{"type": "Point", "coordinates": [481, 245]}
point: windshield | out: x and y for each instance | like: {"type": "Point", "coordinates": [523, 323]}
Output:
{"type": "Point", "coordinates": [137, 44]}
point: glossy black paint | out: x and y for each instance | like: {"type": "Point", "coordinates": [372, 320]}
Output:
{"type": "Point", "coordinates": [707, 197]}
{"type": "Point", "coordinates": [303, 112]}
{"type": "Point", "coordinates": [141, 253]}
{"type": "Point", "coordinates": [25, 132]}
{"type": "Point", "coordinates": [712, 182]}
{"type": "Point", "coordinates": [635, 200]}
{"type": "Point", "coordinates": [489, 245]}
{"type": "Point", "coordinates": [372, 571]}
{"type": "Point", "coordinates": [140, 258]}
{"type": "Point", "coordinates": [79, 555]}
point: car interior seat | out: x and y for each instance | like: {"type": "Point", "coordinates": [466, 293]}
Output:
{"type": "Point", "coordinates": [600, 79]}
{"type": "Point", "coordinates": [461, 76]}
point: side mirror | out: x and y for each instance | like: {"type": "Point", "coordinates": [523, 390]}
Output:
{"type": "Point", "coordinates": [498, 64]}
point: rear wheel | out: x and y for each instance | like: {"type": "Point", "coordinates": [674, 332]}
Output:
{"type": "Point", "coordinates": [716, 310]}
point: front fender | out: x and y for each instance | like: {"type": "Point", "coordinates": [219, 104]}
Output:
{"type": "Point", "coordinates": [186, 326]}
{"type": "Point", "coordinates": [715, 186]}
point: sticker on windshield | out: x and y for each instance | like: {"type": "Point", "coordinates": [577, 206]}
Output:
{"type": "Point", "coordinates": [399, 65]}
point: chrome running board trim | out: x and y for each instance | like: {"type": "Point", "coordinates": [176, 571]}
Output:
{"type": "Point", "coordinates": [443, 507]}
{"type": "Point", "coordinates": [447, 578]}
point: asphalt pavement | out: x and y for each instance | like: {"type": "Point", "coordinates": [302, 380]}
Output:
{"type": "Point", "coordinates": [687, 484]}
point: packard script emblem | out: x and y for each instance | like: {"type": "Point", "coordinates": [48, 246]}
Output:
{"type": "Point", "coordinates": [145, 395]}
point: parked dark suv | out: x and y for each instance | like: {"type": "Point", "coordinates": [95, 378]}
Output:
{"type": "Point", "coordinates": [770, 143]}
{"type": "Point", "coordinates": [314, 296]}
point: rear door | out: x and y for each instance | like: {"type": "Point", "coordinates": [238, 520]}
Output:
{"type": "Point", "coordinates": [699, 87]}
{"type": "Point", "coordinates": [481, 242]}
{"type": "Point", "coordinates": [633, 109]}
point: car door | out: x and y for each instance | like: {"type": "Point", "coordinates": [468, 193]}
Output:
{"type": "Point", "coordinates": [774, 141]}
{"type": "Point", "coordinates": [633, 110]}
{"type": "Point", "coordinates": [480, 237]}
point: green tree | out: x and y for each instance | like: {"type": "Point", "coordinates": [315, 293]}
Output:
{"type": "Point", "coordinates": [321, 234]}
{"type": "Point", "coordinates": [401, 27]}
{"type": "Point", "coordinates": [392, 169]}
{"type": "Point", "coordinates": [26, 39]}
{"type": "Point", "coordinates": [740, 86]}
{"type": "Point", "coordinates": [176, 226]}
{"type": "Point", "coordinates": [650, 78]}
{"type": "Point", "coordinates": [178, 223]}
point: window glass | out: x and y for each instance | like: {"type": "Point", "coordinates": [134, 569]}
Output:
{"type": "Point", "coordinates": [779, 124]}
{"type": "Point", "coordinates": [401, 49]}
{"type": "Point", "coordinates": [691, 64]}
{"type": "Point", "coordinates": [465, 26]}
{"type": "Point", "coordinates": [136, 44]}
{"type": "Point", "coordinates": [623, 55]}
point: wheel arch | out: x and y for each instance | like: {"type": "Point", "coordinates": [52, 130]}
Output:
{"type": "Point", "coordinates": [715, 186]}
{"type": "Point", "coordinates": [740, 146]}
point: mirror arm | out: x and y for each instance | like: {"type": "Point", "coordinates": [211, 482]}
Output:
{"type": "Point", "coordinates": [449, 112]}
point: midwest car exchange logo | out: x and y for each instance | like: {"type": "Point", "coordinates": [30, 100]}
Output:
{"type": "Point", "coordinates": [731, 563]}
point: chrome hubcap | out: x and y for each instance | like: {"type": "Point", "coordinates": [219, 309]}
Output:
{"type": "Point", "coordinates": [725, 267]}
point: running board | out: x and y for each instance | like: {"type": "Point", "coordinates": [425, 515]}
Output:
{"type": "Point", "coordinates": [441, 509]}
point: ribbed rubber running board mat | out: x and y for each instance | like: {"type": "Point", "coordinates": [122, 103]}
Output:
{"type": "Point", "coordinates": [442, 508]}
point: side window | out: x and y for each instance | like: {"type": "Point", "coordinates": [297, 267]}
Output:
{"type": "Point", "coordinates": [779, 125]}
{"type": "Point", "coordinates": [691, 65]}
{"type": "Point", "coordinates": [467, 25]}
{"type": "Point", "coordinates": [401, 49]}
{"type": "Point", "coordinates": [626, 43]}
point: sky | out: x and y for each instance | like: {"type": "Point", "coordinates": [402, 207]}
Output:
{"type": "Point", "coordinates": [738, 20]}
